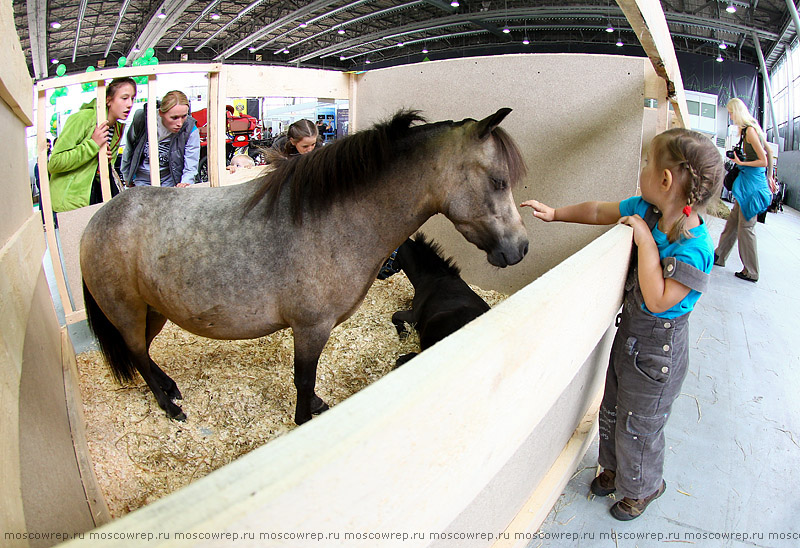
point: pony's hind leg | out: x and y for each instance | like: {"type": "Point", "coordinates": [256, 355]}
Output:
{"type": "Point", "coordinates": [138, 339]}
{"type": "Point", "coordinates": [400, 319]}
{"type": "Point", "coordinates": [155, 323]}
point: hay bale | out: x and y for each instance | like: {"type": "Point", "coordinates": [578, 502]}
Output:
{"type": "Point", "coordinates": [238, 395]}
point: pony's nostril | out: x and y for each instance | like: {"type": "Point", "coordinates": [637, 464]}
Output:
{"type": "Point", "coordinates": [525, 249]}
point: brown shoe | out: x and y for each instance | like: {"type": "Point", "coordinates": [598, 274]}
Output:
{"type": "Point", "coordinates": [743, 275]}
{"type": "Point", "coordinates": [718, 261]}
{"type": "Point", "coordinates": [603, 485]}
{"type": "Point", "coordinates": [628, 509]}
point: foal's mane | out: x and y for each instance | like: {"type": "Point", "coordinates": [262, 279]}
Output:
{"type": "Point", "coordinates": [338, 170]}
{"type": "Point", "coordinates": [433, 256]}
{"type": "Point", "coordinates": [349, 165]}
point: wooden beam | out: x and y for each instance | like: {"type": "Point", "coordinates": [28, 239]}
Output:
{"type": "Point", "coordinates": [109, 73]}
{"type": "Point", "coordinates": [648, 22]}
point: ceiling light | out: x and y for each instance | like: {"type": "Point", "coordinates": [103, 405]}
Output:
{"type": "Point", "coordinates": [215, 16]}
{"type": "Point", "coordinates": [609, 28]}
{"type": "Point", "coordinates": [719, 58]}
{"type": "Point", "coordinates": [506, 30]}
{"type": "Point", "coordinates": [731, 8]}
{"type": "Point", "coordinates": [400, 44]}
{"type": "Point", "coordinates": [455, 3]}
{"type": "Point", "coordinates": [179, 47]}
{"type": "Point", "coordinates": [161, 15]}
{"type": "Point", "coordinates": [368, 61]}
{"type": "Point", "coordinates": [340, 31]}
{"type": "Point", "coordinates": [55, 25]}
{"type": "Point", "coordinates": [723, 45]}
{"type": "Point", "coordinates": [526, 41]}
{"type": "Point", "coordinates": [620, 43]}
{"type": "Point", "coordinates": [424, 50]}
{"type": "Point", "coordinates": [251, 49]}
{"type": "Point", "coordinates": [342, 58]}
{"type": "Point", "coordinates": [286, 51]}
{"type": "Point", "coordinates": [54, 61]}
{"type": "Point", "coordinates": [303, 25]}
{"type": "Point", "coordinates": [136, 49]}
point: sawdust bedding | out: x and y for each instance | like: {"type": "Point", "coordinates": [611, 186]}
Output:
{"type": "Point", "coordinates": [238, 395]}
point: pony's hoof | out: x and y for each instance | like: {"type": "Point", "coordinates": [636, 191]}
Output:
{"type": "Point", "coordinates": [402, 335]}
{"type": "Point", "coordinates": [174, 394]}
{"type": "Point", "coordinates": [320, 407]}
{"type": "Point", "coordinates": [176, 413]}
{"type": "Point", "coordinates": [403, 359]}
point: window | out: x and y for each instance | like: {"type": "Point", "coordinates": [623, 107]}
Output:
{"type": "Point", "coordinates": [708, 111]}
{"type": "Point", "coordinates": [694, 107]}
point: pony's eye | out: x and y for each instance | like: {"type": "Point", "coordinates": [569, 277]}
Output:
{"type": "Point", "coordinates": [499, 184]}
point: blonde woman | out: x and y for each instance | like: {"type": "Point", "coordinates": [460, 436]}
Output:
{"type": "Point", "coordinates": [178, 145]}
{"type": "Point", "coordinates": [751, 190]}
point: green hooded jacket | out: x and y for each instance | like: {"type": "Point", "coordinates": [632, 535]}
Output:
{"type": "Point", "coordinates": [73, 162]}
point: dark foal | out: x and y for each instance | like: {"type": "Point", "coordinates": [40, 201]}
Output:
{"type": "Point", "coordinates": [443, 302]}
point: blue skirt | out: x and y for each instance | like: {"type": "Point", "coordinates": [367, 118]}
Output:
{"type": "Point", "coordinates": [752, 191]}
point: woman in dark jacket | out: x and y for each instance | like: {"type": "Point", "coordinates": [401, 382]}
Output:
{"type": "Point", "coordinates": [178, 145]}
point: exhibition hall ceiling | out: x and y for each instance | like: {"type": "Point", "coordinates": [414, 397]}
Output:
{"type": "Point", "coordinates": [364, 34]}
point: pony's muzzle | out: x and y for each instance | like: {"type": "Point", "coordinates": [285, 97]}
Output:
{"type": "Point", "coordinates": [507, 255]}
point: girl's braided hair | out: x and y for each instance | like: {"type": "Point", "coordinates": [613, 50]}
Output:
{"type": "Point", "coordinates": [696, 165]}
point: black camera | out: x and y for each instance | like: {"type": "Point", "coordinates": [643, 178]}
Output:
{"type": "Point", "coordinates": [738, 151]}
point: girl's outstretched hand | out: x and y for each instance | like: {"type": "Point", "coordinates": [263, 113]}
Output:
{"type": "Point", "coordinates": [540, 210]}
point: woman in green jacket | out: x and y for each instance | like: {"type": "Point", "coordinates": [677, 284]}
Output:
{"type": "Point", "coordinates": [73, 164]}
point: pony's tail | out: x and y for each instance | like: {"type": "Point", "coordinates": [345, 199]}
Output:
{"type": "Point", "coordinates": [112, 345]}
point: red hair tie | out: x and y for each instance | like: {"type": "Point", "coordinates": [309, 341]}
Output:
{"type": "Point", "coordinates": [687, 210]}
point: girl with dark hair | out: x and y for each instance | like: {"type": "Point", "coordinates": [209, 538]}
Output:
{"type": "Point", "coordinates": [301, 138]}
{"type": "Point", "coordinates": [73, 164]}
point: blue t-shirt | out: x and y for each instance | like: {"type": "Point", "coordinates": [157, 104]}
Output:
{"type": "Point", "coordinates": [697, 252]}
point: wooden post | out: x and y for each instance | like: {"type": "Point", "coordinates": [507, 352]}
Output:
{"type": "Point", "coordinates": [214, 130]}
{"type": "Point", "coordinates": [102, 156]}
{"type": "Point", "coordinates": [646, 18]}
{"type": "Point", "coordinates": [152, 131]}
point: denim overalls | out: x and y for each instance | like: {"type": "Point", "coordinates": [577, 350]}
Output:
{"type": "Point", "coordinates": [649, 360]}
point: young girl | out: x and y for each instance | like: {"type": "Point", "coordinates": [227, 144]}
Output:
{"type": "Point", "coordinates": [73, 165]}
{"type": "Point", "coordinates": [649, 356]}
{"type": "Point", "coordinates": [301, 138]}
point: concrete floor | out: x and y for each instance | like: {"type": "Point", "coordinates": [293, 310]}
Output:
{"type": "Point", "coordinates": [733, 441]}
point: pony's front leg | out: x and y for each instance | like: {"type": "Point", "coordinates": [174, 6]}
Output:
{"type": "Point", "coordinates": [308, 345]}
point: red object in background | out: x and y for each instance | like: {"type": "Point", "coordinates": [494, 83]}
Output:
{"type": "Point", "coordinates": [240, 130]}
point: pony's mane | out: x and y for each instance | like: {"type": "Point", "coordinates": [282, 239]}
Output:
{"type": "Point", "coordinates": [349, 165]}
{"type": "Point", "coordinates": [431, 253]}
{"type": "Point", "coordinates": [337, 170]}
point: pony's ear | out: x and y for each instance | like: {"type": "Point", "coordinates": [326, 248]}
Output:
{"type": "Point", "coordinates": [487, 125]}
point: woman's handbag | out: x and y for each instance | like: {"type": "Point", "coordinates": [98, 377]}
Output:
{"type": "Point", "coordinates": [730, 177]}
{"type": "Point", "coordinates": [733, 172]}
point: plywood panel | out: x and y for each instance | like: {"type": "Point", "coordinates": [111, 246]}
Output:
{"type": "Point", "coordinates": [15, 80]}
{"type": "Point", "coordinates": [577, 120]}
{"type": "Point", "coordinates": [20, 259]}
{"type": "Point", "coordinates": [52, 490]}
{"type": "Point", "coordinates": [261, 81]}
{"type": "Point", "coordinates": [70, 230]}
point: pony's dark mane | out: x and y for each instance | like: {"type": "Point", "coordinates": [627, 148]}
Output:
{"type": "Point", "coordinates": [432, 255]}
{"type": "Point", "coordinates": [337, 170]}
{"type": "Point", "coordinates": [349, 165]}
